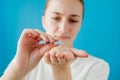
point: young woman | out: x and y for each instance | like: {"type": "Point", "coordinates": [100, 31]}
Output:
{"type": "Point", "coordinates": [33, 61]}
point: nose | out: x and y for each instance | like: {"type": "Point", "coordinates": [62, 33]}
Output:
{"type": "Point", "coordinates": [64, 26]}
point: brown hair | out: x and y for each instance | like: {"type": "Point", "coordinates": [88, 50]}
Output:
{"type": "Point", "coordinates": [82, 1]}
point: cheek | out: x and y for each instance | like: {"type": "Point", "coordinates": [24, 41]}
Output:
{"type": "Point", "coordinates": [75, 31]}
{"type": "Point", "coordinates": [51, 28]}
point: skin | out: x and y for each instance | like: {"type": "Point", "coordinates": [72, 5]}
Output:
{"type": "Point", "coordinates": [28, 55]}
{"type": "Point", "coordinates": [65, 20]}
{"type": "Point", "coordinates": [61, 23]}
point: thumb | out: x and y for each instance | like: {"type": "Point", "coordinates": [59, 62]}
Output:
{"type": "Point", "coordinates": [79, 53]}
{"type": "Point", "coordinates": [46, 48]}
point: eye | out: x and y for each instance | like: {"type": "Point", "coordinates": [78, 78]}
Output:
{"type": "Point", "coordinates": [56, 18]}
{"type": "Point", "coordinates": [73, 21]}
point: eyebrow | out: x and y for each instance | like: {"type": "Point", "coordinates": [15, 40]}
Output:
{"type": "Point", "coordinates": [73, 15]}
{"type": "Point", "coordinates": [57, 13]}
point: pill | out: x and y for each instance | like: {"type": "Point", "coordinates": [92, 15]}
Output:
{"type": "Point", "coordinates": [58, 43]}
{"type": "Point", "coordinates": [55, 43]}
{"type": "Point", "coordinates": [42, 42]}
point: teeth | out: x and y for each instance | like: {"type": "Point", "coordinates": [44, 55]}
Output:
{"type": "Point", "coordinates": [55, 43]}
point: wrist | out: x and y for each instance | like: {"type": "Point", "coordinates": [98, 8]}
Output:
{"type": "Point", "coordinates": [62, 72]}
{"type": "Point", "coordinates": [60, 67]}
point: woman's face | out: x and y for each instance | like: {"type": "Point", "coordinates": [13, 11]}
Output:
{"type": "Point", "coordinates": [62, 19]}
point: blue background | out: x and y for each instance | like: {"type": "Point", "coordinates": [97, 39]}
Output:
{"type": "Point", "coordinates": [99, 35]}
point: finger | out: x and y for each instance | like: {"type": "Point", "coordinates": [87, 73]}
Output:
{"type": "Point", "coordinates": [47, 57]}
{"type": "Point", "coordinates": [79, 53]}
{"type": "Point", "coordinates": [51, 39]}
{"type": "Point", "coordinates": [29, 37]}
{"type": "Point", "coordinates": [69, 56]}
{"type": "Point", "coordinates": [61, 59]}
{"type": "Point", "coordinates": [45, 49]}
{"type": "Point", "coordinates": [43, 36]}
{"type": "Point", "coordinates": [53, 58]}
{"type": "Point", "coordinates": [31, 33]}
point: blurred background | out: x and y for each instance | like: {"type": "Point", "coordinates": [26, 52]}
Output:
{"type": "Point", "coordinates": [99, 35]}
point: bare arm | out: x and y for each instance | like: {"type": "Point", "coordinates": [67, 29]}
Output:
{"type": "Point", "coordinates": [60, 59]}
{"type": "Point", "coordinates": [29, 53]}
{"type": "Point", "coordinates": [62, 72]}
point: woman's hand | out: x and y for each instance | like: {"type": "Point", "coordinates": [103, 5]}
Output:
{"type": "Point", "coordinates": [60, 59]}
{"type": "Point", "coordinates": [60, 56]}
{"type": "Point", "coordinates": [29, 50]}
{"type": "Point", "coordinates": [29, 53]}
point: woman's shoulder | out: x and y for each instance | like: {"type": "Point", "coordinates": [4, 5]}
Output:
{"type": "Point", "coordinates": [95, 59]}
{"type": "Point", "coordinates": [91, 66]}
{"type": "Point", "coordinates": [90, 61]}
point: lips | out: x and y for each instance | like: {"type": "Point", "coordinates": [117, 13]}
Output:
{"type": "Point", "coordinates": [62, 37]}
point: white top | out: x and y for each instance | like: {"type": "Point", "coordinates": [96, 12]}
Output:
{"type": "Point", "coordinates": [90, 68]}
